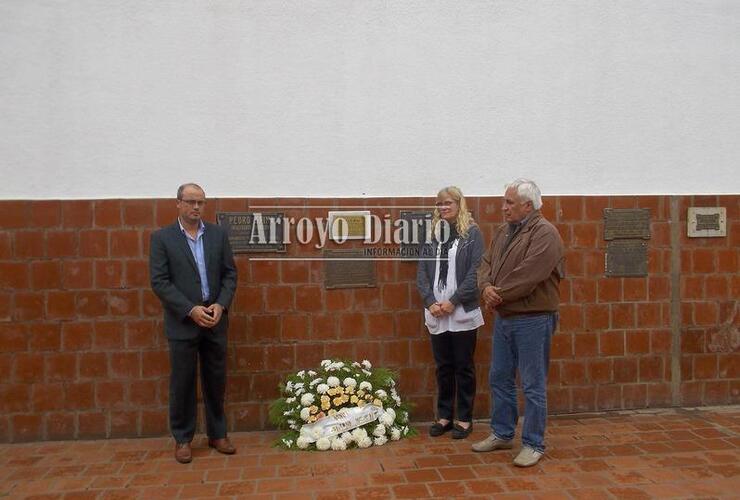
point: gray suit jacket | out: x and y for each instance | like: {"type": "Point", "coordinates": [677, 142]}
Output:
{"type": "Point", "coordinates": [175, 279]}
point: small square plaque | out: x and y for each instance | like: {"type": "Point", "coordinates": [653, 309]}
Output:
{"type": "Point", "coordinates": [707, 222]}
{"type": "Point", "coordinates": [349, 225]}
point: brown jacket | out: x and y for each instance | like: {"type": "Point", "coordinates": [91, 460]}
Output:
{"type": "Point", "coordinates": [529, 271]}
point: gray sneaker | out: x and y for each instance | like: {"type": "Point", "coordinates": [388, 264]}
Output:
{"type": "Point", "coordinates": [527, 457]}
{"type": "Point", "coordinates": [492, 443]}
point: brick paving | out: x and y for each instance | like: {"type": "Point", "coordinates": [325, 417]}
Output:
{"type": "Point", "coordinates": [670, 453]}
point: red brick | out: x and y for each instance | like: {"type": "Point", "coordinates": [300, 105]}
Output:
{"type": "Point", "coordinates": [165, 211]}
{"type": "Point", "coordinates": [638, 342]}
{"type": "Point", "coordinates": [136, 274]}
{"type": "Point", "coordinates": [92, 425]}
{"type": "Point", "coordinates": [634, 395]}
{"type": "Point", "coordinates": [92, 304]}
{"type": "Point", "coordinates": [125, 365]}
{"type": "Point", "coordinates": [141, 334]}
{"type": "Point", "coordinates": [625, 370]}
{"type": "Point", "coordinates": [584, 398]}
{"type": "Point", "coordinates": [308, 298]}
{"type": "Point", "coordinates": [138, 213]}
{"type": "Point", "coordinates": [380, 325]}
{"type": "Point", "coordinates": [562, 346]}
{"type": "Point", "coordinates": [155, 364]}
{"type": "Point", "coordinates": [571, 317]}
{"type": "Point", "coordinates": [352, 325]}
{"type": "Point", "coordinates": [125, 243]}
{"type": "Point", "coordinates": [28, 367]}
{"type": "Point", "coordinates": [59, 426]}
{"type": "Point", "coordinates": [265, 271]}
{"type": "Point", "coordinates": [727, 260]}
{"type": "Point", "coordinates": [61, 244]}
{"type": "Point", "coordinates": [45, 275]}
{"type": "Point", "coordinates": [729, 366]}
{"type": "Point", "coordinates": [611, 343]}
{"type": "Point", "coordinates": [622, 315]}
{"type": "Point", "coordinates": [660, 341]}
{"type": "Point", "coordinates": [294, 327]}
{"type": "Point", "coordinates": [45, 213]}
{"type": "Point", "coordinates": [409, 323]}
{"type": "Point", "coordinates": [596, 316]}
{"type": "Point", "coordinates": [77, 213]}
{"type": "Point", "coordinates": [705, 366]}
{"type": "Point", "coordinates": [593, 263]}
{"type": "Point", "coordinates": [574, 264]}
{"type": "Point", "coordinates": [13, 337]}
{"type": "Point", "coordinates": [294, 271]}
{"type": "Point", "coordinates": [28, 306]}
{"type": "Point", "coordinates": [659, 288]}
{"type": "Point", "coordinates": [15, 398]}
{"type": "Point", "coordinates": [323, 327]}
{"type": "Point", "coordinates": [279, 298]}
{"type": "Point", "coordinates": [44, 336]}
{"type": "Point", "coordinates": [154, 423]}
{"type": "Point", "coordinates": [703, 261]}
{"type": "Point", "coordinates": [280, 357]}
{"type": "Point", "coordinates": [648, 315]}
{"type": "Point", "coordinates": [109, 394]}
{"type": "Point", "coordinates": [686, 266]}
{"type": "Point", "coordinates": [124, 303]}
{"type": "Point", "coordinates": [693, 342]}
{"type": "Point", "coordinates": [77, 336]}
{"type": "Point", "coordinates": [651, 368]}
{"type": "Point", "coordinates": [395, 353]}
{"type": "Point", "coordinates": [47, 397]}
{"type": "Point", "coordinates": [716, 392]}
{"type": "Point", "coordinates": [634, 289]}
{"type": "Point", "coordinates": [594, 207]}
{"type": "Point", "coordinates": [366, 299]}
{"type": "Point", "coordinates": [77, 274]}
{"type": "Point", "coordinates": [716, 287]}
{"type": "Point", "coordinates": [571, 208]}
{"type": "Point", "coordinates": [585, 235]}
{"type": "Point", "coordinates": [29, 244]}
{"type": "Point", "coordinates": [338, 299]}
{"type": "Point", "coordinates": [61, 367]}
{"type": "Point", "coordinates": [27, 427]}
{"type": "Point", "coordinates": [6, 246]}
{"type": "Point", "coordinates": [93, 365]}
{"type": "Point", "coordinates": [608, 397]}
{"type": "Point", "coordinates": [395, 296]}
{"type": "Point", "coordinates": [692, 287]}
{"type": "Point", "coordinates": [109, 335]}
{"type": "Point", "coordinates": [660, 234]}
{"type": "Point", "coordinates": [706, 313]}
{"type": "Point", "coordinates": [610, 290]}
{"type": "Point", "coordinates": [142, 392]}
{"type": "Point", "coordinates": [107, 213]}
{"type": "Point", "coordinates": [583, 290]}
{"type": "Point", "coordinates": [585, 345]}
{"type": "Point", "coordinates": [124, 424]}
{"type": "Point", "coordinates": [573, 372]}
{"type": "Point", "coordinates": [265, 328]}
{"type": "Point", "coordinates": [93, 243]}
{"type": "Point", "coordinates": [659, 395]}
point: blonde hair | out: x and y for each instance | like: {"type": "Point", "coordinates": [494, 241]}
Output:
{"type": "Point", "coordinates": [464, 219]}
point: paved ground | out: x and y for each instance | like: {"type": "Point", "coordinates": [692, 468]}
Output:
{"type": "Point", "coordinates": [677, 453]}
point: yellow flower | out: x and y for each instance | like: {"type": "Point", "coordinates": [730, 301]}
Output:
{"type": "Point", "coordinates": [312, 419]}
{"type": "Point", "coordinates": [332, 412]}
{"type": "Point", "coordinates": [378, 402]}
{"type": "Point", "coordinates": [331, 392]}
{"type": "Point", "coordinates": [339, 391]}
{"type": "Point", "coordinates": [360, 403]}
{"type": "Point", "coordinates": [313, 409]}
{"type": "Point", "coordinates": [354, 399]}
{"type": "Point", "coordinates": [368, 397]}
{"type": "Point", "coordinates": [325, 398]}
{"type": "Point", "coordinates": [325, 405]}
{"type": "Point", "coordinates": [337, 401]}
{"type": "Point", "coordinates": [345, 398]}
{"type": "Point", "coordinates": [350, 390]}
{"type": "Point", "coordinates": [360, 393]}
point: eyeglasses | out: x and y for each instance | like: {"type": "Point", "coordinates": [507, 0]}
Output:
{"type": "Point", "coordinates": [447, 203]}
{"type": "Point", "coordinates": [194, 203]}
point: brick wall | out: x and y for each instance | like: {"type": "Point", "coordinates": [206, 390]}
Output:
{"type": "Point", "coordinates": [82, 353]}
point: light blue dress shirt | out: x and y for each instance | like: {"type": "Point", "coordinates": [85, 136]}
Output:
{"type": "Point", "coordinates": [196, 247]}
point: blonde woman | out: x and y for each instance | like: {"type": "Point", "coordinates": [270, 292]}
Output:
{"type": "Point", "coordinates": [447, 282]}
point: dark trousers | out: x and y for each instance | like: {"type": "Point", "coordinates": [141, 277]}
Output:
{"type": "Point", "coordinates": [453, 354]}
{"type": "Point", "coordinates": [210, 349]}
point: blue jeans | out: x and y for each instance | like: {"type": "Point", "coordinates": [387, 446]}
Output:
{"type": "Point", "coordinates": [523, 343]}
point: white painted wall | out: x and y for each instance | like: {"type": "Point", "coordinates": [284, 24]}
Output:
{"type": "Point", "coordinates": [127, 98]}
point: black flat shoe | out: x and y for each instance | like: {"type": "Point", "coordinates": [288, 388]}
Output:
{"type": "Point", "coordinates": [438, 429]}
{"type": "Point", "coordinates": [460, 432]}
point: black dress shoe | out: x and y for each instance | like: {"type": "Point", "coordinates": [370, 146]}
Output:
{"type": "Point", "coordinates": [460, 432]}
{"type": "Point", "coordinates": [438, 429]}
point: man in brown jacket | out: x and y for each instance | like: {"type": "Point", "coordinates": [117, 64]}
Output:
{"type": "Point", "coordinates": [519, 278]}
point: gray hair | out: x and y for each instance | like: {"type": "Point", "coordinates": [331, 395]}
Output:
{"type": "Point", "coordinates": [527, 190]}
{"type": "Point", "coordinates": [187, 185]}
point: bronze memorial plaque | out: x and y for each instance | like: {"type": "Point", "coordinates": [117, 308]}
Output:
{"type": "Point", "coordinates": [626, 258]}
{"type": "Point", "coordinates": [414, 230]}
{"type": "Point", "coordinates": [348, 269]}
{"type": "Point", "coordinates": [625, 223]}
{"type": "Point", "coordinates": [253, 231]}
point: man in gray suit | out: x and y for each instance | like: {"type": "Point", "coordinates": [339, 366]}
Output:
{"type": "Point", "coordinates": [193, 274]}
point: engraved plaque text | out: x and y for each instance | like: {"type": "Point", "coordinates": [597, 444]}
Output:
{"type": "Point", "coordinates": [625, 223]}
{"type": "Point", "coordinates": [348, 269]}
{"type": "Point", "coordinates": [253, 231]}
{"type": "Point", "coordinates": [626, 258]}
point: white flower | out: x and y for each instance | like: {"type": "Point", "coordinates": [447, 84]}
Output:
{"type": "Point", "coordinates": [332, 381]}
{"type": "Point", "coordinates": [405, 430]}
{"type": "Point", "coordinates": [325, 362]}
{"type": "Point", "coordinates": [300, 374]}
{"type": "Point", "coordinates": [365, 442]}
{"type": "Point", "coordinates": [380, 441]}
{"type": "Point", "coordinates": [386, 419]}
{"type": "Point", "coordinates": [307, 399]}
{"type": "Point", "coordinates": [358, 434]}
{"type": "Point", "coordinates": [289, 400]}
{"type": "Point", "coordinates": [323, 444]}
{"type": "Point", "coordinates": [381, 394]}
{"type": "Point", "coordinates": [322, 388]}
{"type": "Point", "coordinates": [302, 442]}
{"type": "Point", "coordinates": [298, 392]}
{"type": "Point", "coordinates": [338, 444]}
{"type": "Point", "coordinates": [315, 381]}
{"type": "Point", "coordinates": [379, 430]}
{"type": "Point", "coordinates": [366, 386]}
{"type": "Point", "coordinates": [311, 373]}
{"type": "Point", "coordinates": [391, 412]}
{"type": "Point", "coordinates": [347, 437]}
{"type": "Point", "coordinates": [366, 364]}
{"type": "Point", "coordinates": [288, 442]}
{"type": "Point", "coordinates": [305, 414]}
{"type": "Point", "coordinates": [355, 364]}
{"type": "Point", "coordinates": [316, 433]}
{"type": "Point", "coordinates": [395, 434]}
{"type": "Point", "coordinates": [367, 372]}
{"type": "Point", "coordinates": [289, 386]}
{"type": "Point", "coordinates": [349, 382]}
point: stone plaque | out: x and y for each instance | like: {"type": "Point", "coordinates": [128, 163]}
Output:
{"type": "Point", "coordinates": [625, 223]}
{"type": "Point", "coordinates": [253, 231]}
{"type": "Point", "coordinates": [349, 225]}
{"type": "Point", "coordinates": [707, 222]}
{"type": "Point", "coordinates": [415, 229]}
{"type": "Point", "coordinates": [626, 258]}
{"type": "Point", "coordinates": [348, 269]}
